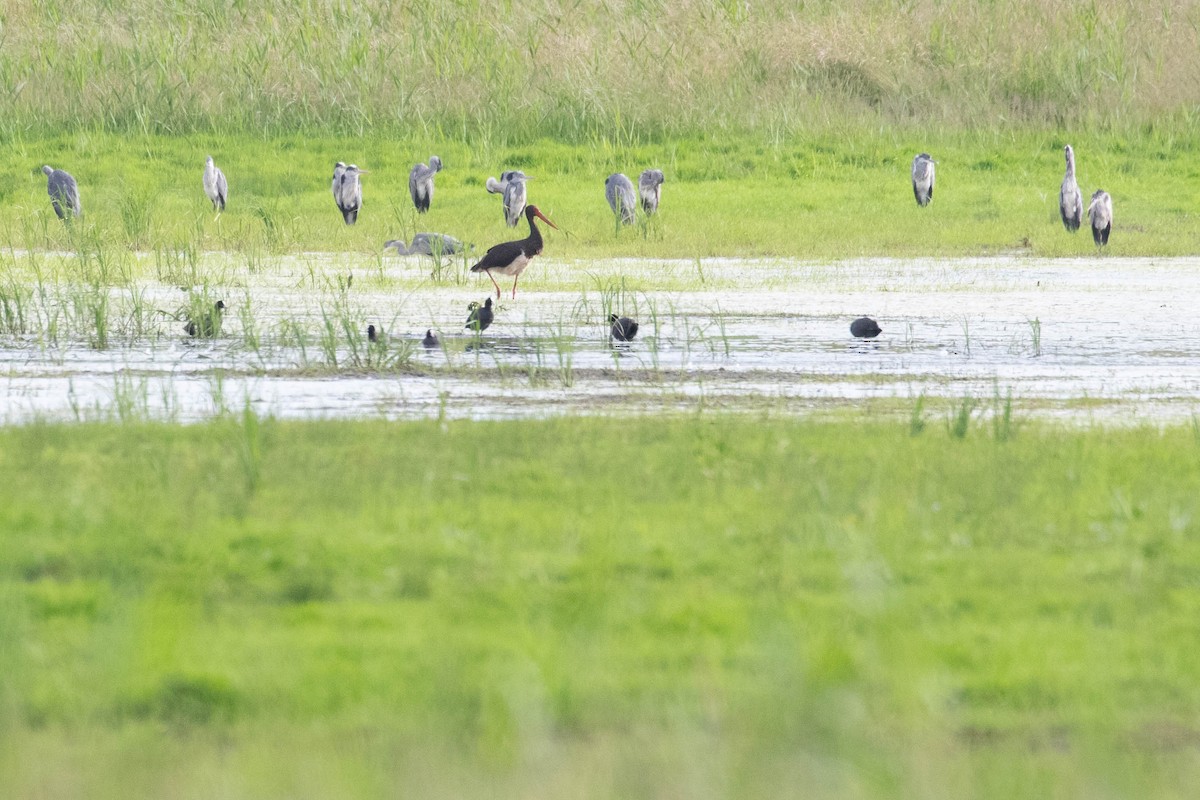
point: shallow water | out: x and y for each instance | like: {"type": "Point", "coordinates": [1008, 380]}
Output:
{"type": "Point", "coordinates": [1082, 339]}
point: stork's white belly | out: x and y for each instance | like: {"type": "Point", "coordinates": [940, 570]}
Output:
{"type": "Point", "coordinates": [517, 266]}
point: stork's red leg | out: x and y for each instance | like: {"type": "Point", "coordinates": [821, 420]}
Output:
{"type": "Point", "coordinates": [517, 278]}
{"type": "Point", "coordinates": [489, 274]}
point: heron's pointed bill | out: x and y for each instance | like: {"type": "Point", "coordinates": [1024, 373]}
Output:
{"type": "Point", "coordinates": [537, 212]}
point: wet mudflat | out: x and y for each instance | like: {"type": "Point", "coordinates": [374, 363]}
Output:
{"type": "Point", "coordinates": [1081, 339]}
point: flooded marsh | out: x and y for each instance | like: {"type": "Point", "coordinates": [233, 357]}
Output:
{"type": "Point", "coordinates": [1108, 337]}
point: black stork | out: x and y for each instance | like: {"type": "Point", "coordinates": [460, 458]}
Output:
{"type": "Point", "coordinates": [511, 258]}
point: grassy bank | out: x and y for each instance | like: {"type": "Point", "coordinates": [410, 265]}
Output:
{"type": "Point", "coordinates": [631, 68]}
{"type": "Point", "coordinates": [821, 196]}
{"type": "Point", "coordinates": [709, 607]}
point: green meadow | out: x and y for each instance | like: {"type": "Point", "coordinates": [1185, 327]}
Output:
{"type": "Point", "coordinates": [813, 196]}
{"type": "Point", "coordinates": [711, 605]}
{"type": "Point", "coordinates": [696, 606]}
{"type": "Point", "coordinates": [782, 128]}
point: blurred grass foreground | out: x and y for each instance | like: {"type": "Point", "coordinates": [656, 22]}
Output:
{"type": "Point", "coordinates": [696, 607]}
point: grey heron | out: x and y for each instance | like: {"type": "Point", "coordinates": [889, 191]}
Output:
{"type": "Point", "coordinates": [922, 178]}
{"type": "Point", "coordinates": [512, 187]}
{"type": "Point", "coordinates": [865, 328]}
{"type": "Point", "coordinates": [431, 340]}
{"type": "Point", "coordinates": [497, 186]}
{"type": "Point", "coordinates": [618, 190]}
{"type": "Point", "coordinates": [338, 169]}
{"type": "Point", "coordinates": [420, 183]}
{"type": "Point", "coordinates": [650, 188]}
{"type": "Point", "coordinates": [63, 191]}
{"type": "Point", "coordinates": [623, 328]}
{"type": "Point", "coordinates": [215, 185]}
{"type": "Point", "coordinates": [1100, 214]}
{"type": "Point", "coordinates": [480, 317]}
{"type": "Point", "coordinates": [511, 258]}
{"type": "Point", "coordinates": [427, 244]}
{"type": "Point", "coordinates": [208, 324]}
{"type": "Point", "coordinates": [1070, 201]}
{"type": "Point", "coordinates": [347, 191]}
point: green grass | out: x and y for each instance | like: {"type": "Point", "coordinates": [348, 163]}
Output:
{"type": "Point", "coordinates": [702, 607]}
{"type": "Point", "coordinates": [816, 196]}
{"type": "Point", "coordinates": [627, 69]}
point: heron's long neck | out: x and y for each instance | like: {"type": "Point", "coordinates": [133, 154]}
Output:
{"type": "Point", "coordinates": [1071, 166]}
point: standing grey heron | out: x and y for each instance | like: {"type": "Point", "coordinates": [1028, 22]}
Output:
{"type": "Point", "coordinates": [1070, 201]}
{"type": "Point", "coordinates": [63, 191]}
{"type": "Point", "coordinates": [347, 191]}
{"type": "Point", "coordinates": [338, 169]}
{"type": "Point", "coordinates": [215, 185]}
{"type": "Point", "coordinates": [650, 188]}
{"type": "Point", "coordinates": [420, 183]}
{"type": "Point", "coordinates": [618, 190]}
{"type": "Point", "coordinates": [922, 178]}
{"type": "Point", "coordinates": [427, 244]}
{"type": "Point", "coordinates": [511, 258]}
{"type": "Point", "coordinates": [1100, 214]}
{"type": "Point", "coordinates": [512, 187]}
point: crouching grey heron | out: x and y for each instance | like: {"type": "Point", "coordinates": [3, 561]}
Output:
{"type": "Point", "coordinates": [63, 191]}
{"type": "Point", "coordinates": [427, 244]}
{"type": "Point", "coordinates": [650, 188]}
{"type": "Point", "coordinates": [618, 190]}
